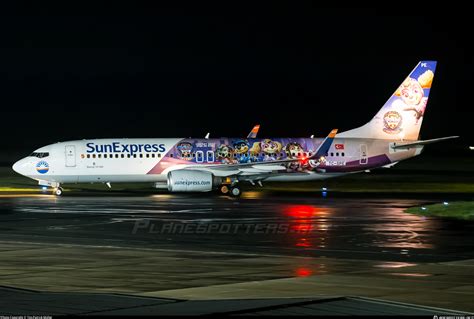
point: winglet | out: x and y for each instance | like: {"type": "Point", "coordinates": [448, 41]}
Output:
{"type": "Point", "coordinates": [325, 145]}
{"type": "Point", "coordinates": [254, 131]}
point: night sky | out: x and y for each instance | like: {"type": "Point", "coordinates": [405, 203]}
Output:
{"type": "Point", "coordinates": [150, 71]}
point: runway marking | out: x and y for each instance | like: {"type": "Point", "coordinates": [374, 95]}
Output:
{"type": "Point", "coordinates": [26, 195]}
{"type": "Point", "coordinates": [16, 189]}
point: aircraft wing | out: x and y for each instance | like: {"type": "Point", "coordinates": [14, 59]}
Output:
{"type": "Point", "coordinates": [254, 131]}
{"type": "Point", "coordinates": [417, 143]}
{"type": "Point", "coordinates": [255, 168]}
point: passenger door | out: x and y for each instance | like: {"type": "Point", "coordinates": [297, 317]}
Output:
{"type": "Point", "coordinates": [363, 159]}
{"type": "Point", "coordinates": [70, 152]}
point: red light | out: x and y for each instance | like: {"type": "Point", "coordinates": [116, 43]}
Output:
{"type": "Point", "coordinates": [301, 211]}
{"type": "Point", "coordinates": [302, 228]}
{"type": "Point", "coordinates": [303, 242]}
{"type": "Point", "coordinates": [303, 272]}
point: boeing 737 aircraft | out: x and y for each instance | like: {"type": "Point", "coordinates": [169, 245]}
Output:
{"type": "Point", "coordinates": [202, 165]}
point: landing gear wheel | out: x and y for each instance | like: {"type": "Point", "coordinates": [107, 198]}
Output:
{"type": "Point", "coordinates": [58, 191]}
{"type": "Point", "coordinates": [235, 191]}
{"type": "Point", "coordinates": [224, 189]}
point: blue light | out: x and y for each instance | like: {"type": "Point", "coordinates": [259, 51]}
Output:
{"type": "Point", "coordinates": [325, 194]}
{"type": "Point", "coordinates": [445, 203]}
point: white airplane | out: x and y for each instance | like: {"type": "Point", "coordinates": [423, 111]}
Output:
{"type": "Point", "coordinates": [205, 164]}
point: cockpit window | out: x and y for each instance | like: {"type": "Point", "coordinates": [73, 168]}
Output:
{"type": "Point", "coordinates": [40, 155]}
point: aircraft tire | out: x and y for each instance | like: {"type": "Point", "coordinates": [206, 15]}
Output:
{"type": "Point", "coordinates": [235, 191]}
{"type": "Point", "coordinates": [224, 189]}
{"type": "Point", "coordinates": [58, 191]}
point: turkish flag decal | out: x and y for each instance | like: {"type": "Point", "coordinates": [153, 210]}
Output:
{"type": "Point", "coordinates": [339, 146]}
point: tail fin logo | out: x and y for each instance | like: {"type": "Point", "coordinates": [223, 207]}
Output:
{"type": "Point", "coordinates": [401, 116]}
{"type": "Point", "coordinates": [411, 94]}
{"type": "Point", "coordinates": [392, 120]}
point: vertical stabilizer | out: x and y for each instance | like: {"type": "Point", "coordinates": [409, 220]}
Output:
{"type": "Point", "coordinates": [401, 116]}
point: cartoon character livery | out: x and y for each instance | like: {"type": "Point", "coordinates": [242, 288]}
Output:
{"type": "Point", "coordinates": [202, 165]}
{"type": "Point", "coordinates": [241, 148]}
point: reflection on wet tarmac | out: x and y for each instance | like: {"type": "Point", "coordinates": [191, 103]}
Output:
{"type": "Point", "coordinates": [298, 226]}
{"type": "Point", "coordinates": [392, 264]}
{"type": "Point", "coordinates": [405, 274]}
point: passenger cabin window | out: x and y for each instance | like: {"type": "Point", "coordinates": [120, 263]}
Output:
{"type": "Point", "coordinates": [342, 154]}
{"type": "Point", "coordinates": [88, 155]}
{"type": "Point", "coordinates": [337, 154]}
{"type": "Point", "coordinates": [147, 155]}
{"type": "Point", "coordinates": [122, 155]}
{"type": "Point", "coordinates": [128, 155]}
{"type": "Point", "coordinates": [116, 155]}
{"type": "Point", "coordinates": [332, 154]}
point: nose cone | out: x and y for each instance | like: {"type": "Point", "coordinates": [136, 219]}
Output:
{"type": "Point", "coordinates": [16, 166]}
{"type": "Point", "coordinates": [20, 166]}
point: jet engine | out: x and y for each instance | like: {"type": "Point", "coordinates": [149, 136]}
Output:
{"type": "Point", "coordinates": [191, 181]}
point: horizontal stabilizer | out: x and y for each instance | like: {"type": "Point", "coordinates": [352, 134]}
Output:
{"type": "Point", "coordinates": [420, 143]}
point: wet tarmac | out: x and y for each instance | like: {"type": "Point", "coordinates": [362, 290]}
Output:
{"type": "Point", "coordinates": [310, 226]}
{"type": "Point", "coordinates": [262, 245]}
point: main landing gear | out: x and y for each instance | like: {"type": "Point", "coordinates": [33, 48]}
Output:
{"type": "Point", "coordinates": [230, 190]}
{"type": "Point", "coordinates": [235, 191]}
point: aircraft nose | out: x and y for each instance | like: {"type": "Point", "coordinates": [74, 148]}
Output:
{"type": "Point", "coordinates": [19, 166]}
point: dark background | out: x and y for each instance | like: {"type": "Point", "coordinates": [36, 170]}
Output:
{"type": "Point", "coordinates": [145, 70]}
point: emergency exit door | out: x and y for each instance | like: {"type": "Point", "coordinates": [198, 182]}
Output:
{"type": "Point", "coordinates": [363, 154]}
{"type": "Point", "coordinates": [70, 155]}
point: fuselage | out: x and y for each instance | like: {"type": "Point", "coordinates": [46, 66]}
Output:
{"type": "Point", "coordinates": [191, 164]}
{"type": "Point", "coordinates": [150, 159]}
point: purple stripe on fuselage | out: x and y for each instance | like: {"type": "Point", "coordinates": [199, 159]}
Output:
{"type": "Point", "coordinates": [354, 166]}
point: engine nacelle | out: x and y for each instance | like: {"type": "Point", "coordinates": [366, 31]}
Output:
{"type": "Point", "coordinates": [190, 181]}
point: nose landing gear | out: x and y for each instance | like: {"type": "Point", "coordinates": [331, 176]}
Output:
{"type": "Point", "coordinates": [58, 191]}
